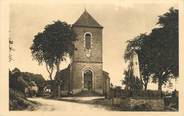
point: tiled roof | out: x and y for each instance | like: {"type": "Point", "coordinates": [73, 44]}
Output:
{"type": "Point", "coordinates": [87, 20]}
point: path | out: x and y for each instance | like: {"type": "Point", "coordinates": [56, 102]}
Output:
{"type": "Point", "coordinates": [55, 105]}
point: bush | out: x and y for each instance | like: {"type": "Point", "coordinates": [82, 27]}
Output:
{"type": "Point", "coordinates": [17, 85]}
{"type": "Point", "coordinates": [17, 100]}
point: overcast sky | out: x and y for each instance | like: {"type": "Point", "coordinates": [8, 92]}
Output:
{"type": "Point", "coordinates": [121, 20]}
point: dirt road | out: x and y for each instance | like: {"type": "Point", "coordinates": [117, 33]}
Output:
{"type": "Point", "coordinates": [64, 106]}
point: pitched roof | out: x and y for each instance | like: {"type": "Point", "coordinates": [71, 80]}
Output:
{"type": "Point", "coordinates": [86, 20]}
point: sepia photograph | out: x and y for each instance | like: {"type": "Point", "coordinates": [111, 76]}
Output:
{"type": "Point", "coordinates": [90, 56]}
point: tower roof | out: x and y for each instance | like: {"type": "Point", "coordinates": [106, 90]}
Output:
{"type": "Point", "coordinates": [86, 20]}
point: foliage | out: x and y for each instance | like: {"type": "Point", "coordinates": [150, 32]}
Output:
{"type": "Point", "coordinates": [17, 101]}
{"type": "Point", "coordinates": [165, 53]}
{"type": "Point", "coordinates": [136, 45]}
{"type": "Point", "coordinates": [34, 78]}
{"type": "Point", "coordinates": [20, 80]}
{"type": "Point", "coordinates": [16, 81]}
{"type": "Point", "coordinates": [158, 51]}
{"type": "Point", "coordinates": [133, 46]}
{"type": "Point", "coordinates": [131, 82]}
{"type": "Point", "coordinates": [17, 85]}
{"type": "Point", "coordinates": [52, 44]}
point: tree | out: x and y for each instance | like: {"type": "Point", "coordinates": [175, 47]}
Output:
{"type": "Point", "coordinates": [136, 45]}
{"type": "Point", "coordinates": [133, 46]}
{"type": "Point", "coordinates": [131, 82]}
{"type": "Point", "coordinates": [51, 45]}
{"type": "Point", "coordinates": [165, 50]}
{"type": "Point", "coordinates": [158, 51]}
{"type": "Point", "coordinates": [16, 80]}
{"type": "Point", "coordinates": [37, 78]}
{"type": "Point", "coordinates": [145, 75]}
{"type": "Point", "coordinates": [145, 60]}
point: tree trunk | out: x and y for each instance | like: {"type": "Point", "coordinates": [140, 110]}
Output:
{"type": "Point", "coordinates": [145, 82]}
{"type": "Point", "coordinates": [50, 71]}
{"type": "Point", "coordinates": [59, 90]}
{"type": "Point", "coordinates": [159, 77]}
{"type": "Point", "coordinates": [50, 76]}
{"type": "Point", "coordinates": [58, 65]}
{"type": "Point", "coordinates": [160, 87]}
{"type": "Point", "coordinates": [57, 68]}
{"type": "Point", "coordinates": [145, 86]}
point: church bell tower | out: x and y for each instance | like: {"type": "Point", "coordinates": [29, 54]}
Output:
{"type": "Point", "coordinates": [87, 65]}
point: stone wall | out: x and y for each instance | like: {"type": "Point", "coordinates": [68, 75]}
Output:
{"type": "Point", "coordinates": [139, 104]}
{"type": "Point", "coordinates": [155, 104]}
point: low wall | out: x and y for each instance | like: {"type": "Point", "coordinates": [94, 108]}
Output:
{"type": "Point", "coordinates": [99, 91]}
{"type": "Point", "coordinates": [76, 91]}
{"type": "Point", "coordinates": [139, 104]}
{"type": "Point", "coordinates": [154, 104]}
{"type": "Point", "coordinates": [64, 93]}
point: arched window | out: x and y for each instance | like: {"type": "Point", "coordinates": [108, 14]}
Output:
{"type": "Point", "coordinates": [88, 37]}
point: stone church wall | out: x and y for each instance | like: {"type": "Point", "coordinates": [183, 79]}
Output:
{"type": "Point", "coordinates": [96, 50]}
{"type": "Point", "coordinates": [81, 62]}
{"type": "Point", "coordinates": [78, 78]}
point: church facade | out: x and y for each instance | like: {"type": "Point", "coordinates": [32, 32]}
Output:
{"type": "Point", "coordinates": [85, 74]}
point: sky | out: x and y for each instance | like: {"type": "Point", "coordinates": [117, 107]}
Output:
{"type": "Point", "coordinates": [121, 20]}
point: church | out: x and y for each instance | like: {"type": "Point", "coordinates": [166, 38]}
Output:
{"type": "Point", "coordinates": [85, 75]}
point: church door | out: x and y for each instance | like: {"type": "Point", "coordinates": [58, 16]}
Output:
{"type": "Point", "coordinates": [88, 80]}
